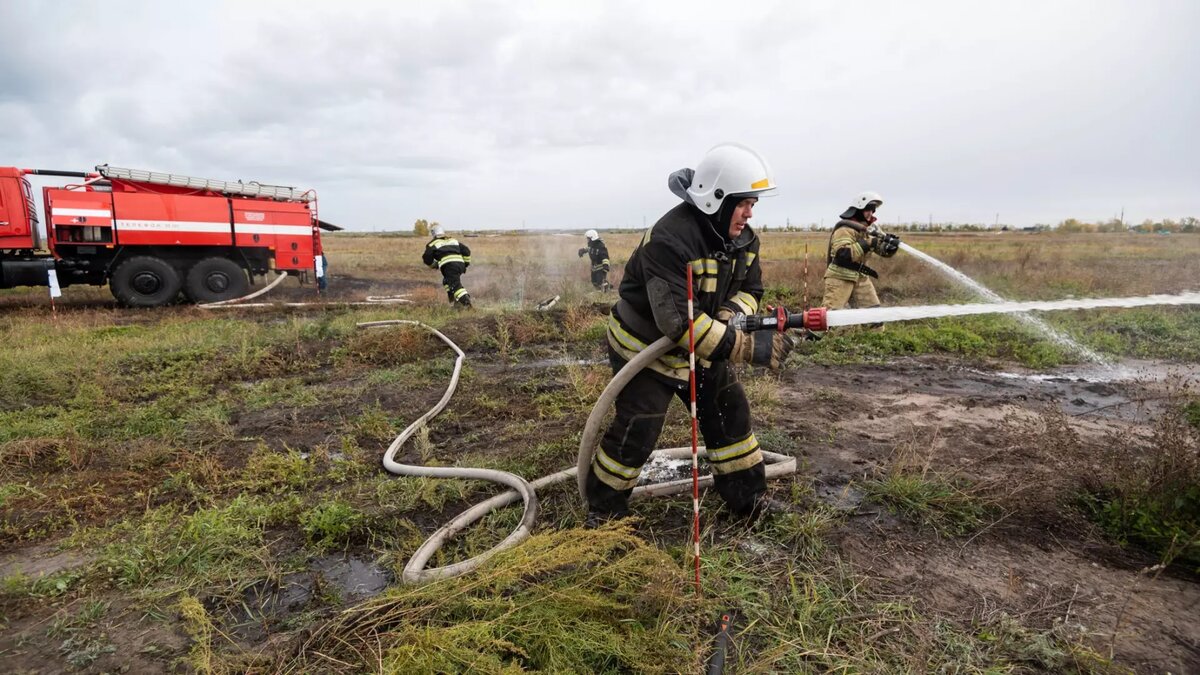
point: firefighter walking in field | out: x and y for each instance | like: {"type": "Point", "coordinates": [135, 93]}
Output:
{"type": "Point", "coordinates": [597, 252]}
{"type": "Point", "coordinates": [452, 259]}
{"type": "Point", "coordinates": [853, 240]}
{"type": "Point", "coordinates": [709, 232]}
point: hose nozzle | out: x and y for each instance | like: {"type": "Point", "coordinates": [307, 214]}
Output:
{"type": "Point", "coordinates": [780, 319]}
{"type": "Point", "coordinates": [814, 319]}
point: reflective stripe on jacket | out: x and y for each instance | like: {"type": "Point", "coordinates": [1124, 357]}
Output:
{"type": "Point", "coordinates": [851, 235]}
{"type": "Point", "coordinates": [598, 254]}
{"type": "Point", "coordinates": [442, 250]}
{"type": "Point", "coordinates": [725, 275]}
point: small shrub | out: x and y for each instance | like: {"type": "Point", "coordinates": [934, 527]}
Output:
{"type": "Point", "coordinates": [1191, 413]}
{"type": "Point", "coordinates": [1150, 495]}
{"type": "Point", "coordinates": [330, 524]}
{"type": "Point", "coordinates": [388, 346]}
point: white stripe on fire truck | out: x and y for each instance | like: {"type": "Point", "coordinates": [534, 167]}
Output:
{"type": "Point", "coordinates": [95, 213]}
{"type": "Point", "coordinates": [209, 227]}
{"type": "Point", "coordinates": [298, 230]}
{"type": "Point", "coordinates": [171, 225]}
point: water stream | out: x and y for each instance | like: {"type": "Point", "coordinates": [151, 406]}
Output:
{"type": "Point", "coordinates": [991, 296]}
{"type": "Point", "coordinates": [852, 317]}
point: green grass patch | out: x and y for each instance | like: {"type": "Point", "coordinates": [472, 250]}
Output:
{"type": "Point", "coordinates": [167, 552]}
{"type": "Point", "coordinates": [1171, 333]}
{"type": "Point", "coordinates": [16, 586]}
{"type": "Point", "coordinates": [804, 533]}
{"type": "Point", "coordinates": [404, 494]}
{"type": "Point", "coordinates": [995, 336]}
{"type": "Point", "coordinates": [279, 472]}
{"type": "Point", "coordinates": [948, 507]}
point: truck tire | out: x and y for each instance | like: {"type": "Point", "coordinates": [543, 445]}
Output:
{"type": "Point", "coordinates": [145, 281]}
{"type": "Point", "coordinates": [215, 279]}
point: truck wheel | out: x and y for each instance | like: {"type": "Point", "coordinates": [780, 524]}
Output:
{"type": "Point", "coordinates": [145, 281]}
{"type": "Point", "coordinates": [216, 279]}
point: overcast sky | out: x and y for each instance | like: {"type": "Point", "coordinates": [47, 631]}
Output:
{"type": "Point", "coordinates": [571, 114]}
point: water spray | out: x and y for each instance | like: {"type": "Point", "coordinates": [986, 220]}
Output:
{"type": "Point", "coordinates": [991, 296]}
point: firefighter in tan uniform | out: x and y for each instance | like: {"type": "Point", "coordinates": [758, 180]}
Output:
{"type": "Point", "coordinates": [853, 240]}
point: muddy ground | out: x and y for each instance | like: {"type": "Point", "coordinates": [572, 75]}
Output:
{"type": "Point", "coordinates": [1038, 561]}
{"type": "Point", "coordinates": [1017, 434]}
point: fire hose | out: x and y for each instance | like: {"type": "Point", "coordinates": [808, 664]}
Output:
{"type": "Point", "coordinates": [415, 570]}
{"type": "Point", "coordinates": [240, 302]}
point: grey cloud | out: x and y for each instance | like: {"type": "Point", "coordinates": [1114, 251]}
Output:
{"type": "Point", "coordinates": [556, 113]}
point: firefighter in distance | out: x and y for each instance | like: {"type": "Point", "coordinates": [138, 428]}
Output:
{"type": "Point", "coordinates": [709, 232]}
{"type": "Point", "coordinates": [853, 240]}
{"type": "Point", "coordinates": [597, 252]}
{"type": "Point", "coordinates": [452, 259]}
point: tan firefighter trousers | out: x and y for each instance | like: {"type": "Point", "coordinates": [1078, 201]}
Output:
{"type": "Point", "coordinates": [840, 291]}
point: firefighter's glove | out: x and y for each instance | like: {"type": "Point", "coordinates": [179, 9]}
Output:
{"type": "Point", "coordinates": [887, 245]}
{"type": "Point", "coordinates": [766, 348]}
{"type": "Point", "coordinates": [582, 252]}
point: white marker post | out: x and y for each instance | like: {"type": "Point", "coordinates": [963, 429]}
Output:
{"type": "Point", "coordinates": [55, 291]}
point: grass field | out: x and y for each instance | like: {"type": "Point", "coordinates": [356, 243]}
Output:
{"type": "Point", "coordinates": [192, 490]}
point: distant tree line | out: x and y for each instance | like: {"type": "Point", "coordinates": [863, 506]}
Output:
{"type": "Point", "coordinates": [1185, 225]}
{"type": "Point", "coordinates": [1188, 224]}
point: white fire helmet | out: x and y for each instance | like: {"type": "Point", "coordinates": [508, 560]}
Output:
{"type": "Point", "coordinates": [865, 198]}
{"type": "Point", "coordinates": [730, 169]}
{"type": "Point", "coordinates": [592, 235]}
{"type": "Point", "coordinates": [437, 230]}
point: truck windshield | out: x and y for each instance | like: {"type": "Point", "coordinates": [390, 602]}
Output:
{"type": "Point", "coordinates": [27, 192]}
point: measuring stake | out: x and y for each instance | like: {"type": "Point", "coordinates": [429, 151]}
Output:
{"type": "Point", "coordinates": [695, 430]}
{"type": "Point", "coordinates": [806, 275]}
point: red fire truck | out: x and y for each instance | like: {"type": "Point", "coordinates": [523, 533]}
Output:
{"type": "Point", "coordinates": [151, 236]}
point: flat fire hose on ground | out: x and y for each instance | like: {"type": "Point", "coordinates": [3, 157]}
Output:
{"type": "Point", "coordinates": [249, 296]}
{"type": "Point", "coordinates": [240, 302]}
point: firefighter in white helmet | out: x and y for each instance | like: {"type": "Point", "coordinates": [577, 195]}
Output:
{"type": "Point", "coordinates": [709, 232]}
{"type": "Point", "coordinates": [597, 252]}
{"type": "Point", "coordinates": [452, 259]}
{"type": "Point", "coordinates": [853, 240]}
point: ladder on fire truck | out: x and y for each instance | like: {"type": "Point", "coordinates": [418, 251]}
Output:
{"type": "Point", "coordinates": [251, 189]}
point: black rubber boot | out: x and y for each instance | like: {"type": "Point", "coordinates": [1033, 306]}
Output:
{"type": "Point", "coordinates": [764, 509]}
{"type": "Point", "coordinates": [595, 519]}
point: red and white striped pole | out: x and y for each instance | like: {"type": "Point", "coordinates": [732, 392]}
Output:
{"type": "Point", "coordinates": [806, 275]}
{"type": "Point", "coordinates": [695, 429]}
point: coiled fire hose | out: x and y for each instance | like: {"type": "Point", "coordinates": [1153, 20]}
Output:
{"type": "Point", "coordinates": [415, 571]}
